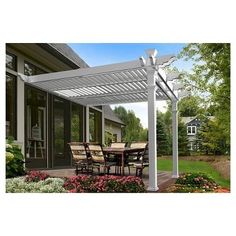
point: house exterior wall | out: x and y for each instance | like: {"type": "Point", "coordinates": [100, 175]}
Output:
{"type": "Point", "coordinates": [113, 128]}
{"type": "Point", "coordinates": [46, 62]}
{"type": "Point", "coordinates": [192, 122]}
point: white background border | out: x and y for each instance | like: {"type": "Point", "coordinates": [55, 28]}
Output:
{"type": "Point", "coordinates": [117, 21]}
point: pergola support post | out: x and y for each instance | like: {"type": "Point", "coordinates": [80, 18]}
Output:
{"type": "Point", "coordinates": [103, 127]}
{"type": "Point", "coordinates": [87, 123]}
{"type": "Point", "coordinates": [151, 79]}
{"type": "Point", "coordinates": [175, 171]}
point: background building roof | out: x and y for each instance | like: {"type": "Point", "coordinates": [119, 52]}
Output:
{"type": "Point", "coordinates": [64, 53]}
{"type": "Point", "coordinates": [188, 119]}
{"type": "Point", "coordinates": [110, 115]}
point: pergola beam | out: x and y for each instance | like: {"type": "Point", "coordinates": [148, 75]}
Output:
{"type": "Point", "coordinates": [94, 70]}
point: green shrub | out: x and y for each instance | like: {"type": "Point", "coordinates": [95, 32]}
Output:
{"type": "Point", "coordinates": [50, 185]}
{"type": "Point", "coordinates": [14, 160]}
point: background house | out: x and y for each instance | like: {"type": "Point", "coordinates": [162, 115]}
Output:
{"type": "Point", "coordinates": [193, 123]}
{"type": "Point", "coordinates": [113, 124]}
{"type": "Point", "coordinates": [44, 123]}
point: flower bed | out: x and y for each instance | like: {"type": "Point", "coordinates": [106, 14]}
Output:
{"type": "Point", "coordinates": [194, 183]}
{"type": "Point", "coordinates": [20, 185]}
{"type": "Point", "coordinates": [35, 176]}
{"type": "Point", "coordinates": [39, 182]}
{"type": "Point", "coordinates": [106, 183]}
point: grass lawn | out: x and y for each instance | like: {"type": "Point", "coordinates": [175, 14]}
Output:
{"type": "Point", "coordinates": [195, 166]}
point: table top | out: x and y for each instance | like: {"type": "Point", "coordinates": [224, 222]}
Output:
{"type": "Point", "coordinates": [122, 150]}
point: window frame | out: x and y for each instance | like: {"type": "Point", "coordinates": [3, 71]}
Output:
{"type": "Point", "coordinates": [15, 61]}
{"type": "Point", "coordinates": [36, 68]}
{"type": "Point", "coordinates": [191, 128]}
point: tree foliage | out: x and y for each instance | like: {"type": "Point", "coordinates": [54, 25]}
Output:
{"type": "Point", "coordinates": [163, 136]}
{"type": "Point", "coordinates": [211, 79]}
{"type": "Point", "coordinates": [182, 139]}
{"type": "Point", "coordinates": [190, 106]}
{"type": "Point", "coordinates": [133, 129]}
{"type": "Point", "coordinates": [182, 133]}
{"type": "Point", "coordinates": [210, 141]}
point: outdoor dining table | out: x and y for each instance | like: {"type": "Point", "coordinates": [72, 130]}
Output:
{"type": "Point", "coordinates": [122, 153]}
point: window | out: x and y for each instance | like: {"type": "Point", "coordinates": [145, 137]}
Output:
{"type": "Point", "coordinates": [76, 123]}
{"type": "Point", "coordinates": [36, 102]}
{"type": "Point", "coordinates": [191, 130]}
{"type": "Point", "coordinates": [10, 105]}
{"type": "Point", "coordinates": [30, 69]}
{"type": "Point", "coordinates": [11, 61]}
{"type": "Point", "coordinates": [95, 131]}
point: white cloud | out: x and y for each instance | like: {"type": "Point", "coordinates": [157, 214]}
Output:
{"type": "Point", "coordinates": [140, 110]}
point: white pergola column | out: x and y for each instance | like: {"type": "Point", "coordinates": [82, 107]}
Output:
{"type": "Point", "coordinates": [103, 127]}
{"type": "Point", "coordinates": [175, 171]}
{"type": "Point", "coordinates": [152, 131]}
{"type": "Point", "coordinates": [87, 123]}
{"type": "Point", "coordinates": [151, 81]}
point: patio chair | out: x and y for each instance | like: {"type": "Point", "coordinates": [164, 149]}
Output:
{"type": "Point", "coordinates": [141, 163]}
{"type": "Point", "coordinates": [136, 156]}
{"type": "Point", "coordinates": [99, 159]}
{"type": "Point", "coordinates": [81, 160]}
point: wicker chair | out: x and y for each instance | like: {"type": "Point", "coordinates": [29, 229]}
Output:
{"type": "Point", "coordinates": [136, 156]}
{"type": "Point", "coordinates": [81, 160]}
{"type": "Point", "coordinates": [99, 159]}
{"type": "Point", "coordinates": [141, 163]}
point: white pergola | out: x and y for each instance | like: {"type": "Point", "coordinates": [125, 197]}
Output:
{"type": "Point", "coordinates": [129, 82]}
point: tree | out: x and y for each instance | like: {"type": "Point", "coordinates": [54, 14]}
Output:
{"type": "Point", "coordinates": [133, 129]}
{"type": "Point", "coordinates": [211, 79]}
{"type": "Point", "coordinates": [163, 140]}
{"type": "Point", "coordinates": [182, 139]}
{"type": "Point", "coordinates": [190, 106]}
{"type": "Point", "coordinates": [212, 142]}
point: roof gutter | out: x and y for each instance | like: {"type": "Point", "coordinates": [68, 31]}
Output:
{"type": "Point", "coordinates": [47, 47]}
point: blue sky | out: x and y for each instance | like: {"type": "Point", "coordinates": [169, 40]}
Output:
{"type": "Point", "coordinates": [96, 54]}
